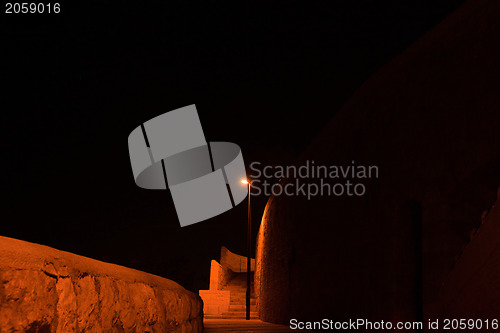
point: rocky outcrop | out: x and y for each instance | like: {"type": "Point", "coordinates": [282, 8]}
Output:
{"type": "Point", "coordinates": [46, 290]}
{"type": "Point", "coordinates": [430, 122]}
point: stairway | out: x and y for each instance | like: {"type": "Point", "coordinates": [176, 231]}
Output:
{"type": "Point", "coordinates": [237, 306]}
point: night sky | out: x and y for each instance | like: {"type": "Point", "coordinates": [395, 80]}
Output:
{"type": "Point", "coordinates": [265, 76]}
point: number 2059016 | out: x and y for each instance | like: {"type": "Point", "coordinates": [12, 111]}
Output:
{"type": "Point", "coordinates": [32, 8]}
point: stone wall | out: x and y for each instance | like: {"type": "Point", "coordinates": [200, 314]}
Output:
{"type": "Point", "coordinates": [235, 262]}
{"type": "Point", "coordinates": [219, 275]}
{"type": "Point", "coordinates": [46, 290]}
{"type": "Point", "coordinates": [215, 302]}
{"type": "Point", "coordinates": [429, 120]}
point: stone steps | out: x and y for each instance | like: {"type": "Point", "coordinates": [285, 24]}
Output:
{"type": "Point", "coordinates": [253, 315]}
{"type": "Point", "coordinates": [237, 306]}
{"type": "Point", "coordinates": [241, 307]}
{"type": "Point", "coordinates": [253, 301]}
{"type": "Point", "coordinates": [238, 295]}
{"type": "Point", "coordinates": [240, 315]}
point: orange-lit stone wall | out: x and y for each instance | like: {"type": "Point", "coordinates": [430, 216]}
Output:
{"type": "Point", "coordinates": [219, 275]}
{"type": "Point", "coordinates": [235, 262]}
{"type": "Point", "coordinates": [46, 290]}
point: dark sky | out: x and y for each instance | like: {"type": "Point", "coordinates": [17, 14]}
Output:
{"type": "Point", "coordinates": [265, 76]}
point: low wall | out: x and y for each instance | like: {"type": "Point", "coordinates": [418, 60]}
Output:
{"type": "Point", "coordinates": [234, 261]}
{"type": "Point", "coordinates": [219, 275]}
{"type": "Point", "coordinates": [46, 290]}
{"type": "Point", "coordinates": [216, 302]}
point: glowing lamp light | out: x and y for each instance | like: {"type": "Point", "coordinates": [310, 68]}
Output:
{"type": "Point", "coordinates": [249, 251]}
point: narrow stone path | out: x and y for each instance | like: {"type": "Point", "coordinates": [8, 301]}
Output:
{"type": "Point", "coordinates": [242, 325]}
{"type": "Point", "coordinates": [237, 307]}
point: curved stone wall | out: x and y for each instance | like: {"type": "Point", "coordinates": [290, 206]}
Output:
{"type": "Point", "coordinates": [235, 262]}
{"type": "Point", "coordinates": [219, 275]}
{"type": "Point", "coordinates": [429, 120]}
{"type": "Point", "coordinates": [46, 290]}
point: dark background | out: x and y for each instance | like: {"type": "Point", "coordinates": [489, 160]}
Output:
{"type": "Point", "coordinates": [265, 76]}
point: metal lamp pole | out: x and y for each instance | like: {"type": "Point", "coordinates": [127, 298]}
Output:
{"type": "Point", "coordinates": [249, 251]}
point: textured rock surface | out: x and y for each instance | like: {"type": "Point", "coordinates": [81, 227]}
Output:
{"type": "Point", "coordinates": [430, 121]}
{"type": "Point", "coordinates": [46, 290]}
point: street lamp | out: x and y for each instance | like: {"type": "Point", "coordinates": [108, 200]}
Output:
{"type": "Point", "coordinates": [249, 249]}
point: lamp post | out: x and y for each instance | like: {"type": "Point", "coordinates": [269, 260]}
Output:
{"type": "Point", "coordinates": [249, 250]}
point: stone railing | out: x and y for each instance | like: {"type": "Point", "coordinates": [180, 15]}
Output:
{"type": "Point", "coordinates": [219, 275]}
{"type": "Point", "coordinates": [234, 261]}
